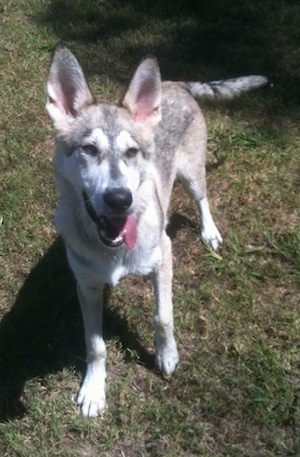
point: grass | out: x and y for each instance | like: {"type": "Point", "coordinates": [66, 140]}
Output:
{"type": "Point", "coordinates": [236, 391]}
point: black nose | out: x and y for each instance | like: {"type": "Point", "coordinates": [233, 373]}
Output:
{"type": "Point", "coordinates": [118, 199]}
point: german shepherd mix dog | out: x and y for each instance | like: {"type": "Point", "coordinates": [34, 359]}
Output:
{"type": "Point", "coordinates": [115, 168]}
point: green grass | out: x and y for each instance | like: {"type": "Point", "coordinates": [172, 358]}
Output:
{"type": "Point", "coordinates": [236, 391]}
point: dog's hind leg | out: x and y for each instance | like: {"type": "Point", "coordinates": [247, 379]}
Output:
{"type": "Point", "coordinates": [91, 396]}
{"type": "Point", "coordinates": [192, 174]}
{"type": "Point", "coordinates": [166, 355]}
{"type": "Point", "coordinates": [209, 232]}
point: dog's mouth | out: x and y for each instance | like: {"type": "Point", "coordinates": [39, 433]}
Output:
{"type": "Point", "coordinates": [113, 231]}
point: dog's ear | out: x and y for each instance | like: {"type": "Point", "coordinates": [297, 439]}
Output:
{"type": "Point", "coordinates": [67, 89]}
{"type": "Point", "coordinates": [143, 96]}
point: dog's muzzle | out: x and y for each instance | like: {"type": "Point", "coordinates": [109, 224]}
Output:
{"type": "Point", "coordinates": [114, 231]}
{"type": "Point", "coordinates": [117, 199]}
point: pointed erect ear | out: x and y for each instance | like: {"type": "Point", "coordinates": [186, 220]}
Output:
{"type": "Point", "coordinates": [67, 88]}
{"type": "Point", "coordinates": [143, 96]}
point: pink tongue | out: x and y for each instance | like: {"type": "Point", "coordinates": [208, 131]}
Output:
{"type": "Point", "coordinates": [130, 232]}
{"type": "Point", "coordinates": [128, 225]}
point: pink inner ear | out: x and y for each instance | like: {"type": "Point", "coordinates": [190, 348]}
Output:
{"type": "Point", "coordinates": [146, 103]}
{"type": "Point", "coordinates": [59, 104]}
{"type": "Point", "coordinates": [64, 100]}
{"type": "Point", "coordinates": [64, 95]}
{"type": "Point", "coordinates": [68, 93]}
{"type": "Point", "coordinates": [142, 111]}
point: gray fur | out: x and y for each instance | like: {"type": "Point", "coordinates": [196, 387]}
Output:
{"type": "Point", "coordinates": [137, 148]}
{"type": "Point", "coordinates": [226, 89]}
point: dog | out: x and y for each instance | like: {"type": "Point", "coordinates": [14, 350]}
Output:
{"type": "Point", "coordinates": [115, 169]}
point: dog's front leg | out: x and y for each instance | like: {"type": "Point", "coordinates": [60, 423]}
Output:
{"type": "Point", "coordinates": [91, 396]}
{"type": "Point", "coordinates": [166, 355]}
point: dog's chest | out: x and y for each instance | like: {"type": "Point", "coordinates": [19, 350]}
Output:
{"type": "Point", "coordinates": [140, 262]}
{"type": "Point", "coordinates": [110, 267]}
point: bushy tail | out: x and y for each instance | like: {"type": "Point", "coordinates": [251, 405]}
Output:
{"type": "Point", "coordinates": [226, 89]}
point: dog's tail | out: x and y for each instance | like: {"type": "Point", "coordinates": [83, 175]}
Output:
{"type": "Point", "coordinates": [226, 89]}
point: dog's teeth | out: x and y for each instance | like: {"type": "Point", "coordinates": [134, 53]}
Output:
{"type": "Point", "coordinates": [113, 241]}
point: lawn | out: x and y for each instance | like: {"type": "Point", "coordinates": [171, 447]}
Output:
{"type": "Point", "coordinates": [236, 392]}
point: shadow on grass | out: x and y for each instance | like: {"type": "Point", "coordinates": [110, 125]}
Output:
{"type": "Point", "coordinates": [43, 332]}
{"type": "Point", "coordinates": [191, 38]}
{"type": "Point", "coordinates": [219, 35]}
{"type": "Point", "coordinates": [178, 222]}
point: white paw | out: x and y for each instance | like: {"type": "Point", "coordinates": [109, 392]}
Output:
{"type": "Point", "coordinates": [166, 358]}
{"type": "Point", "coordinates": [212, 237]}
{"type": "Point", "coordinates": [91, 397]}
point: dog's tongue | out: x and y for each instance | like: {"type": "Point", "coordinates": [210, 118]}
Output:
{"type": "Point", "coordinates": [130, 232]}
{"type": "Point", "coordinates": [128, 226]}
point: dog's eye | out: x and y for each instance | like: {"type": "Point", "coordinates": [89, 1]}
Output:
{"type": "Point", "coordinates": [90, 149]}
{"type": "Point", "coordinates": [131, 152]}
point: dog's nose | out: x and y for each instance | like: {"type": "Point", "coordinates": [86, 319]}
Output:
{"type": "Point", "coordinates": [118, 199]}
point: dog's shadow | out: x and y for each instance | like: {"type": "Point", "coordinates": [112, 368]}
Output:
{"type": "Point", "coordinates": [43, 331]}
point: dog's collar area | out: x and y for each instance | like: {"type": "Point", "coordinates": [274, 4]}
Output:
{"type": "Point", "coordinates": [113, 231]}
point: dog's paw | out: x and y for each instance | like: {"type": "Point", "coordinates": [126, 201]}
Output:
{"type": "Point", "coordinates": [212, 237]}
{"type": "Point", "coordinates": [166, 359]}
{"type": "Point", "coordinates": [91, 399]}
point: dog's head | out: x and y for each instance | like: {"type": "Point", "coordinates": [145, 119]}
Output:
{"type": "Point", "coordinates": [104, 151]}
